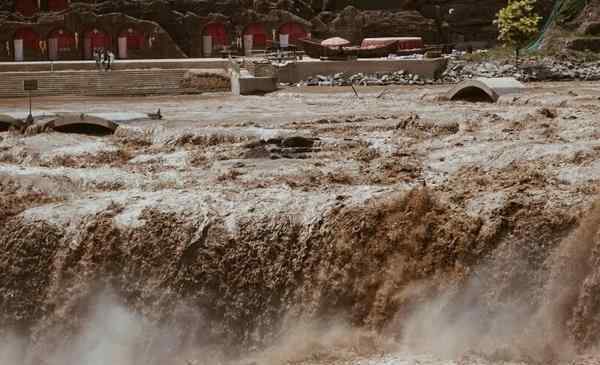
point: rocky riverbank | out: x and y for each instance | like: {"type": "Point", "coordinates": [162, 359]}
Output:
{"type": "Point", "coordinates": [547, 69]}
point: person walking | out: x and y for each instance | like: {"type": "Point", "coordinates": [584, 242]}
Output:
{"type": "Point", "coordinates": [102, 54]}
{"type": "Point", "coordinates": [106, 60]}
{"type": "Point", "coordinates": [111, 59]}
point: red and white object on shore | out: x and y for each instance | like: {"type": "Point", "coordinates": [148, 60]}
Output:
{"type": "Point", "coordinates": [335, 42]}
{"type": "Point", "coordinates": [403, 42]}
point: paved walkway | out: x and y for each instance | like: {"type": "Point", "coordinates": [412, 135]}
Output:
{"type": "Point", "coordinates": [154, 61]}
{"type": "Point", "coordinates": [31, 66]}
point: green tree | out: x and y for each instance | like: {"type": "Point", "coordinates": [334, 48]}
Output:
{"type": "Point", "coordinates": [517, 24]}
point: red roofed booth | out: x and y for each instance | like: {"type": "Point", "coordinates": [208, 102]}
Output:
{"type": "Point", "coordinates": [295, 31]}
{"type": "Point", "coordinates": [26, 45]}
{"type": "Point", "coordinates": [95, 39]}
{"type": "Point", "coordinates": [214, 37]}
{"type": "Point", "coordinates": [62, 45]}
{"type": "Point", "coordinates": [259, 34]}
{"type": "Point", "coordinates": [131, 41]}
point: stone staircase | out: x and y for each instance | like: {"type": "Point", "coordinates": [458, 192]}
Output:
{"type": "Point", "coordinates": [97, 83]}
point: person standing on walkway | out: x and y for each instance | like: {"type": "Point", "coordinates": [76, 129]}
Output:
{"type": "Point", "coordinates": [106, 60]}
{"type": "Point", "coordinates": [111, 59]}
{"type": "Point", "coordinates": [102, 54]}
{"type": "Point", "coordinates": [97, 58]}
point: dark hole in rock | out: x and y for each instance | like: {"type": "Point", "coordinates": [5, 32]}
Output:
{"type": "Point", "coordinates": [473, 94]}
{"type": "Point", "coordinates": [85, 128]}
{"type": "Point", "coordinates": [4, 126]}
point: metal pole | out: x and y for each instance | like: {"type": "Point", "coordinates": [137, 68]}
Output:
{"type": "Point", "coordinates": [29, 117]}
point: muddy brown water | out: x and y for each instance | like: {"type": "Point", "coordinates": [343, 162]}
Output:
{"type": "Point", "coordinates": [413, 231]}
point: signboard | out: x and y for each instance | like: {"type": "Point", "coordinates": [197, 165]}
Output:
{"type": "Point", "coordinates": [30, 85]}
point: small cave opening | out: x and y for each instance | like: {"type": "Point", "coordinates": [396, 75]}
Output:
{"type": "Point", "coordinates": [473, 94]}
{"type": "Point", "coordinates": [85, 128]}
{"type": "Point", "coordinates": [5, 126]}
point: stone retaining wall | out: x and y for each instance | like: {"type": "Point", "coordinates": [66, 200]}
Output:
{"type": "Point", "coordinates": [296, 72]}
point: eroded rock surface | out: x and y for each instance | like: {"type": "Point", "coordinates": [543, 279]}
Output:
{"type": "Point", "coordinates": [449, 21]}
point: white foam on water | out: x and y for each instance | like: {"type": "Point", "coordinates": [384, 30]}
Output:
{"type": "Point", "coordinates": [119, 116]}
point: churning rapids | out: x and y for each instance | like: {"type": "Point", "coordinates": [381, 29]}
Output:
{"type": "Point", "coordinates": [394, 229]}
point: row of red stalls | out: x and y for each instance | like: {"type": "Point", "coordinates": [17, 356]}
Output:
{"type": "Point", "coordinates": [63, 44]}
{"type": "Point", "coordinates": [255, 36]}
{"type": "Point", "coordinates": [31, 7]}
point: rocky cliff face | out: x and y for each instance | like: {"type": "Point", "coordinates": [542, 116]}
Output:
{"type": "Point", "coordinates": [577, 27]}
{"type": "Point", "coordinates": [469, 20]}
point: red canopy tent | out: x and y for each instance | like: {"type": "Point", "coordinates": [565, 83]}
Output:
{"type": "Point", "coordinates": [217, 32]}
{"type": "Point", "coordinates": [56, 5]}
{"type": "Point", "coordinates": [30, 38]}
{"type": "Point", "coordinates": [258, 32]}
{"type": "Point", "coordinates": [27, 7]}
{"type": "Point", "coordinates": [294, 30]}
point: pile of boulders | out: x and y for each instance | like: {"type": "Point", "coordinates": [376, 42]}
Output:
{"type": "Point", "coordinates": [347, 79]}
{"type": "Point", "coordinates": [547, 69]}
{"type": "Point", "coordinates": [294, 147]}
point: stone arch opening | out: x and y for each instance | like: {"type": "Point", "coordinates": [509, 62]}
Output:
{"type": "Point", "coordinates": [95, 39]}
{"type": "Point", "coordinates": [485, 89]}
{"type": "Point", "coordinates": [255, 36]}
{"type": "Point", "coordinates": [84, 128]}
{"type": "Point", "coordinates": [62, 45]}
{"type": "Point", "coordinates": [473, 94]}
{"type": "Point", "coordinates": [7, 122]}
{"type": "Point", "coordinates": [27, 7]}
{"type": "Point", "coordinates": [291, 33]}
{"type": "Point", "coordinates": [214, 38]}
{"type": "Point", "coordinates": [131, 41]}
{"type": "Point", "coordinates": [83, 124]}
{"type": "Point", "coordinates": [26, 45]}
